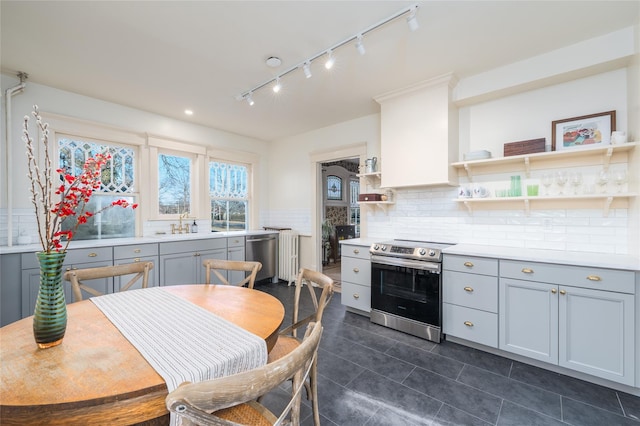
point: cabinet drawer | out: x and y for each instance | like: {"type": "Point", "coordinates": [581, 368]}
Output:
{"type": "Point", "coordinates": [356, 296]}
{"type": "Point", "coordinates": [192, 245]}
{"type": "Point", "coordinates": [350, 250]}
{"type": "Point", "coordinates": [135, 251]}
{"type": "Point", "coordinates": [477, 265]}
{"type": "Point", "coordinates": [75, 256]}
{"type": "Point", "coordinates": [470, 290]}
{"type": "Point", "coordinates": [235, 242]}
{"type": "Point", "coordinates": [356, 271]}
{"type": "Point", "coordinates": [575, 276]}
{"type": "Point", "coordinates": [470, 324]}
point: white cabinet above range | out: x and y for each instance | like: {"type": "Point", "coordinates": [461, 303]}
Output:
{"type": "Point", "coordinates": [419, 134]}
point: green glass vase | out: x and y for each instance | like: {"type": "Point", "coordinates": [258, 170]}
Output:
{"type": "Point", "coordinates": [50, 316]}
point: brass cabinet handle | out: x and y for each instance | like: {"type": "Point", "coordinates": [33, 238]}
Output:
{"type": "Point", "coordinates": [468, 323]}
{"type": "Point", "coordinates": [554, 291]}
{"type": "Point", "coordinates": [137, 251]}
{"type": "Point", "coordinates": [594, 278]}
{"type": "Point", "coordinates": [356, 296]}
{"type": "Point", "coordinates": [468, 264]}
{"type": "Point", "coordinates": [356, 251]}
{"type": "Point", "coordinates": [137, 259]}
{"type": "Point", "coordinates": [196, 254]}
{"type": "Point", "coordinates": [527, 270]}
{"type": "Point", "coordinates": [469, 289]}
{"type": "Point", "coordinates": [562, 292]}
{"type": "Point", "coordinates": [356, 270]}
{"type": "Point", "coordinates": [92, 254]}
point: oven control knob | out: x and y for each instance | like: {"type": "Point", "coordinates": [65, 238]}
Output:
{"type": "Point", "coordinates": [383, 248]}
{"type": "Point", "coordinates": [432, 253]}
{"type": "Point", "coordinates": [376, 247]}
{"type": "Point", "coordinates": [422, 252]}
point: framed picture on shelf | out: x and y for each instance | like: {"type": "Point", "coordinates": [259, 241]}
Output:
{"type": "Point", "coordinates": [583, 132]}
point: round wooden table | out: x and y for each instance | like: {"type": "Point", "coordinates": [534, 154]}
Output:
{"type": "Point", "coordinates": [96, 376]}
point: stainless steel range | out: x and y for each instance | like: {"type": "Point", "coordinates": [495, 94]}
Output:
{"type": "Point", "coordinates": [406, 287]}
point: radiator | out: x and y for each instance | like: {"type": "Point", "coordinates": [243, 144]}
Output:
{"type": "Point", "coordinates": [288, 256]}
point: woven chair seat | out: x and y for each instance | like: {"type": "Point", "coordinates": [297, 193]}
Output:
{"type": "Point", "coordinates": [284, 346]}
{"type": "Point", "coordinates": [249, 413]}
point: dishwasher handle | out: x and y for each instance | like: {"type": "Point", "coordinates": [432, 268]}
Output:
{"type": "Point", "coordinates": [255, 240]}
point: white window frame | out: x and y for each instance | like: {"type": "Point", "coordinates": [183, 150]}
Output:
{"type": "Point", "coordinates": [252, 161]}
{"type": "Point", "coordinates": [160, 145]}
{"type": "Point", "coordinates": [75, 128]}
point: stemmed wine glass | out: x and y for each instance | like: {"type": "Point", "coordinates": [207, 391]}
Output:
{"type": "Point", "coordinates": [602, 180]}
{"type": "Point", "coordinates": [620, 178]}
{"type": "Point", "coordinates": [561, 180]}
{"type": "Point", "coordinates": [576, 181]}
{"type": "Point", "coordinates": [547, 180]}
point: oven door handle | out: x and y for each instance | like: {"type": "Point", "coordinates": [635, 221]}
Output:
{"type": "Point", "coordinates": [405, 263]}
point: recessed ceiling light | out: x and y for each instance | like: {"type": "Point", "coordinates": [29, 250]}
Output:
{"type": "Point", "coordinates": [273, 61]}
{"type": "Point", "coordinates": [188, 112]}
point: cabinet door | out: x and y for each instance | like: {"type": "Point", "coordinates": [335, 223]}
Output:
{"type": "Point", "coordinates": [179, 268]}
{"type": "Point", "coordinates": [119, 282]}
{"type": "Point", "coordinates": [597, 333]}
{"type": "Point", "coordinates": [528, 320]}
{"type": "Point", "coordinates": [11, 289]}
{"type": "Point", "coordinates": [220, 253]}
{"type": "Point", "coordinates": [236, 253]}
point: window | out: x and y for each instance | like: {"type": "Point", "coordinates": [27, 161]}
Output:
{"type": "Point", "coordinates": [334, 187]}
{"type": "Point", "coordinates": [118, 181]}
{"type": "Point", "coordinates": [229, 195]}
{"type": "Point", "coordinates": [174, 184]}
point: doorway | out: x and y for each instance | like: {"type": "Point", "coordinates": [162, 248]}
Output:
{"type": "Point", "coordinates": [339, 211]}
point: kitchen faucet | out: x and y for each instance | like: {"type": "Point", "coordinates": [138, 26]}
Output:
{"type": "Point", "coordinates": [180, 228]}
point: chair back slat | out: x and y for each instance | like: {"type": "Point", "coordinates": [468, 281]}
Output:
{"type": "Point", "coordinates": [310, 279]}
{"type": "Point", "coordinates": [78, 277]}
{"type": "Point", "coordinates": [218, 266]}
{"type": "Point", "coordinates": [200, 403]}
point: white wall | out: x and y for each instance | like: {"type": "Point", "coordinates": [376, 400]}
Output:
{"type": "Point", "coordinates": [65, 103]}
{"type": "Point", "coordinates": [431, 213]}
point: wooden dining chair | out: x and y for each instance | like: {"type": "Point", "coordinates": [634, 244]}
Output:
{"type": "Point", "coordinates": [287, 338]}
{"type": "Point", "coordinates": [231, 400]}
{"type": "Point", "coordinates": [77, 276]}
{"type": "Point", "coordinates": [218, 266]}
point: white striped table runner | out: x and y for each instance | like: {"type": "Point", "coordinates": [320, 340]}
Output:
{"type": "Point", "coordinates": [181, 341]}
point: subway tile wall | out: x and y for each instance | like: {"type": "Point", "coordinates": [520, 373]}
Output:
{"type": "Point", "coordinates": [433, 215]}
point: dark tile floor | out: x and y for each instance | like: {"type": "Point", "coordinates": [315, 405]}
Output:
{"type": "Point", "coordinates": [371, 375]}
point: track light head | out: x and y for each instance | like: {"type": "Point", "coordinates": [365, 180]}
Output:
{"type": "Point", "coordinates": [307, 70]}
{"type": "Point", "coordinates": [330, 60]}
{"type": "Point", "coordinates": [359, 46]}
{"type": "Point", "coordinates": [250, 99]}
{"type": "Point", "coordinates": [412, 20]}
{"type": "Point", "coordinates": [277, 86]}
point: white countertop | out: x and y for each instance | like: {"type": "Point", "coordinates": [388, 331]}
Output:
{"type": "Point", "coordinates": [364, 242]}
{"type": "Point", "coordinates": [600, 260]}
{"type": "Point", "coordinates": [160, 238]}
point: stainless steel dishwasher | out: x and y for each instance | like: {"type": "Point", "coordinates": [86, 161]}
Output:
{"type": "Point", "coordinates": [264, 249]}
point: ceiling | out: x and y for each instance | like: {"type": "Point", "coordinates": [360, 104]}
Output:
{"type": "Point", "coordinates": [167, 56]}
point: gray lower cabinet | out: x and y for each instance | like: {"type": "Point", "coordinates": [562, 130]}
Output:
{"type": "Point", "coordinates": [132, 254]}
{"type": "Point", "coordinates": [75, 259]}
{"type": "Point", "coordinates": [470, 299]}
{"type": "Point", "coordinates": [11, 288]}
{"type": "Point", "coordinates": [576, 317]}
{"type": "Point", "coordinates": [235, 251]}
{"type": "Point", "coordinates": [356, 277]}
{"type": "Point", "coordinates": [181, 261]}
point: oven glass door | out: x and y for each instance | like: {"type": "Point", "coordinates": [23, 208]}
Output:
{"type": "Point", "coordinates": [407, 292]}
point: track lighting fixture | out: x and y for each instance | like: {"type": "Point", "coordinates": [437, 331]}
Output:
{"type": "Point", "coordinates": [359, 46]}
{"type": "Point", "coordinates": [409, 12]}
{"type": "Point", "coordinates": [330, 60]}
{"type": "Point", "coordinates": [277, 86]}
{"type": "Point", "coordinates": [412, 21]}
{"type": "Point", "coordinates": [307, 70]}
